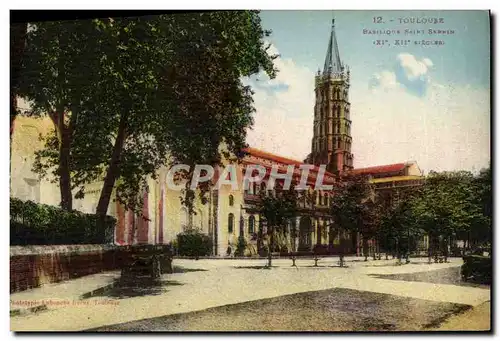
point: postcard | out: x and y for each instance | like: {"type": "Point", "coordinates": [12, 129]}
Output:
{"type": "Point", "coordinates": [234, 171]}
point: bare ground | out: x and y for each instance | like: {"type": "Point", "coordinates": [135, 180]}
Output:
{"type": "Point", "coordinates": [476, 319]}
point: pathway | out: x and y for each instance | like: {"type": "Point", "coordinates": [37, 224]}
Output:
{"type": "Point", "coordinates": [234, 281]}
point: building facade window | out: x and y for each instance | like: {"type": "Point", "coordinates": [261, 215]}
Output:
{"type": "Point", "coordinates": [251, 224]}
{"type": "Point", "coordinates": [230, 223]}
{"type": "Point", "coordinates": [263, 186]}
{"type": "Point", "coordinates": [231, 200]}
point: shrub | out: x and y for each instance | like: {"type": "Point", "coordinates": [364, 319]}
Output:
{"type": "Point", "coordinates": [241, 246]}
{"type": "Point", "coordinates": [38, 224]}
{"type": "Point", "coordinates": [193, 243]}
{"type": "Point", "coordinates": [321, 250]}
{"type": "Point", "coordinates": [477, 269]}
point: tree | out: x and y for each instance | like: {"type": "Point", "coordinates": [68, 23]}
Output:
{"type": "Point", "coordinates": [59, 78]}
{"type": "Point", "coordinates": [398, 231]}
{"type": "Point", "coordinates": [167, 89]}
{"type": "Point", "coordinates": [480, 230]}
{"type": "Point", "coordinates": [354, 208]}
{"type": "Point", "coordinates": [447, 205]}
{"type": "Point", "coordinates": [277, 207]}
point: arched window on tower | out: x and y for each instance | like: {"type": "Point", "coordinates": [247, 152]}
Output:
{"type": "Point", "coordinates": [231, 200]}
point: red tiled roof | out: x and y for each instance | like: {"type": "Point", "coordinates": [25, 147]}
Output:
{"type": "Point", "coordinates": [380, 169]}
{"type": "Point", "coordinates": [269, 156]}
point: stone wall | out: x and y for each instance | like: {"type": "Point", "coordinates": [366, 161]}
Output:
{"type": "Point", "coordinates": [33, 266]}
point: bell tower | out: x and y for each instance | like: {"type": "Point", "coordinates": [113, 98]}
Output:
{"type": "Point", "coordinates": [331, 143]}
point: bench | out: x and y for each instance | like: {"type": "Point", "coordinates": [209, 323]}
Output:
{"type": "Point", "coordinates": [306, 255]}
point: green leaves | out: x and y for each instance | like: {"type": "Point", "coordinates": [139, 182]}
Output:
{"type": "Point", "coordinates": [35, 224]}
{"type": "Point", "coordinates": [278, 206]}
{"type": "Point", "coordinates": [173, 80]}
{"type": "Point", "coordinates": [353, 205]}
{"type": "Point", "coordinates": [449, 204]}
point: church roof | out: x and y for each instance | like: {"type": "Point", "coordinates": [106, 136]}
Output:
{"type": "Point", "coordinates": [396, 167]}
{"type": "Point", "coordinates": [270, 156]}
{"type": "Point", "coordinates": [276, 158]}
{"type": "Point", "coordinates": [332, 60]}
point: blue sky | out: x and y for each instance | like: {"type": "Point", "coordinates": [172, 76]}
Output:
{"type": "Point", "coordinates": [423, 103]}
{"type": "Point", "coordinates": [303, 35]}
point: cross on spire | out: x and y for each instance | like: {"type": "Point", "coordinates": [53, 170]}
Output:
{"type": "Point", "coordinates": [332, 60]}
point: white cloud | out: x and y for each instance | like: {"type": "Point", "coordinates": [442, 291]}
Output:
{"type": "Point", "coordinates": [445, 129]}
{"type": "Point", "coordinates": [448, 129]}
{"type": "Point", "coordinates": [414, 68]}
{"type": "Point", "coordinates": [385, 80]}
{"type": "Point", "coordinates": [284, 119]}
{"type": "Point", "coordinates": [428, 62]}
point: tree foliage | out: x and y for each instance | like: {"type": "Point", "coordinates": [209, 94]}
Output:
{"type": "Point", "coordinates": [452, 204]}
{"type": "Point", "coordinates": [353, 205]}
{"type": "Point", "coordinates": [448, 206]}
{"type": "Point", "coordinates": [130, 95]}
{"type": "Point", "coordinates": [277, 207]}
{"type": "Point", "coordinates": [17, 47]}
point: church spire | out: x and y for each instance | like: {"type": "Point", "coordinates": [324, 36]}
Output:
{"type": "Point", "coordinates": [332, 60]}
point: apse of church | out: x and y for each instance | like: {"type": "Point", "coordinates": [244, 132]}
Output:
{"type": "Point", "coordinates": [331, 143]}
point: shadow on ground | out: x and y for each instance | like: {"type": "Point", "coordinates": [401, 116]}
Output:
{"type": "Point", "coordinates": [326, 310]}
{"type": "Point", "coordinates": [255, 267]}
{"type": "Point", "coordinates": [181, 270]}
{"type": "Point", "coordinates": [441, 276]}
{"type": "Point", "coordinates": [323, 266]}
{"type": "Point", "coordinates": [119, 289]}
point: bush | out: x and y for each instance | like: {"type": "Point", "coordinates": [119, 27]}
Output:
{"type": "Point", "coordinates": [240, 248]}
{"type": "Point", "coordinates": [477, 269]}
{"type": "Point", "coordinates": [321, 250]}
{"type": "Point", "coordinates": [37, 224]}
{"type": "Point", "coordinates": [193, 243]}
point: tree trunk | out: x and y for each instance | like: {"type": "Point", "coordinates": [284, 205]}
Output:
{"type": "Point", "coordinates": [341, 256]}
{"type": "Point", "coordinates": [429, 249]}
{"type": "Point", "coordinates": [446, 245]}
{"type": "Point", "coordinates": [398, 250]}
{"type": "Point", "coordinates": [64, 137]}
{"type": "Point", "coordinates": [365, 248]}
{"type": "Point", "coordinates": [64, 169]}
{"type": "Point", "coordinates": [112, 172]}
{"type": "Point", "coordinates": [270, 248]}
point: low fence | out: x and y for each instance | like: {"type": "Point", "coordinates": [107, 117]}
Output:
{"type": "Point", "coordinates": [33, 266]}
